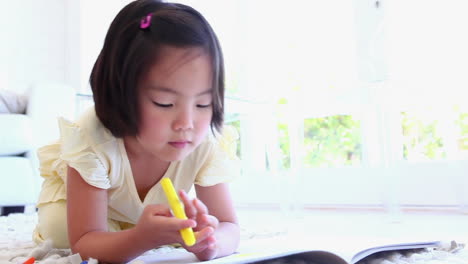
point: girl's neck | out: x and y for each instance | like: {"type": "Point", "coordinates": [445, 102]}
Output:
{"type": "Point", "coordinates": [147, 170]}
{"type": "Point", "coordinates": [136, 152]}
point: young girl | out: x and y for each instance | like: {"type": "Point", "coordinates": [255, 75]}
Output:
{"type": "Point", "coordinates": [158, 87]}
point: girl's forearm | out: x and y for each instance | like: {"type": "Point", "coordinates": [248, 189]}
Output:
{"type": "Point", "coordinates": [123, 246]}
{"type": "Point", "coordinates": [111, 247]}
{"type": "Point", "coordinates": [228, 236]}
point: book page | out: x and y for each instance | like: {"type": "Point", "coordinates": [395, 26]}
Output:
{"type": "Point", "coordinates": [180, 256]}
{"type": "Point", "coordinates": [249, 251]}
{"type": "Point", "coordinates": [413, 245]}
{"type": "Point", "coordinates": [319, 249]}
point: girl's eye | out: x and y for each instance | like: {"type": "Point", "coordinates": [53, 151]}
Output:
{"type": "Point", "coordinates": [203, 105]}
{"type": "Point", "coordinates": [162, 105]}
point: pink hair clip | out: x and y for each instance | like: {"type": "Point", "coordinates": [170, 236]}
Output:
{"type": "Point", "coordinates": [145, 22]}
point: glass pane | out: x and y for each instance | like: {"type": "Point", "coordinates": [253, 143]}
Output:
{"type": "Point", "coordinates": [282, 124]}
{"type": "Point", "coordinates": [439, 41]}
{"type": "Point", "coordinates": [434, 133]}
{"type": "Point", "coordinates": [421, 137]}
{"type": "Point", "coordinates": [233, 120]}
{"type": "Point", "coordinates": [285, 154]}
{"type": "Point", "coordinates": [462, 142]}
{"type": "Point", "coordinates": [463, 123]}
{"type": "Point", "coordinates": [332, 141]}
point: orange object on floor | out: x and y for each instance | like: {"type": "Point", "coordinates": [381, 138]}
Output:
{"type": "Point", "coordinates": [30, 260]}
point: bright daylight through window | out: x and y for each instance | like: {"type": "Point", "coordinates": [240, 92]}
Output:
{"type": "Point", "coordinates": [349, 102]}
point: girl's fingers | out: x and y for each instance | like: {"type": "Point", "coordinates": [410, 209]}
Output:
{"type": "Point", "coordinates": [196, 209]}
{"type": "Point", "coordinates": [209, 220]}
{"type": "Point", "coordinates": [201, 207]}
{"type": "Point", "coordinates": [185, 223]}
{"type": "Point", "coordinates": [190, 210]}
{"type": "Point", "coordinates": [204, 242]}
{"type": "Point", "coordinates": [204, 234]}
{"type": "Point", "coordinates": [158, 209]}
{"type": "Point", "coordinates": [163, 210]}
{"type": "Point", "coordinates": [172, 223]}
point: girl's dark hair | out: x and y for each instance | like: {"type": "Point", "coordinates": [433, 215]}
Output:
{"type": "Point", "coordinates": [129, 51]}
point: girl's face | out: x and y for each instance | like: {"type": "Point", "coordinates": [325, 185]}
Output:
{"type": "Point", "coordinates": [175, 103]}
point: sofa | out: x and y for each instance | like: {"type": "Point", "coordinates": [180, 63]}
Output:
{"type": "Point", "coordinates": [28, 121]}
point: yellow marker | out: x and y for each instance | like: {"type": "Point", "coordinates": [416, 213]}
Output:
{"type": "Point", "coordinates": [178, 210]}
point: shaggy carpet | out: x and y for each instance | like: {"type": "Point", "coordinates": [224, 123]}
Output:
{"type": "Point", "coordinates": [16, 247]}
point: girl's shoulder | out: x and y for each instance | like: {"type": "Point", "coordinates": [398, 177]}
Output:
{"type": "Point", "coordinates": [90, 127]}
{"type": "Point", "coordinates": [224, 141]}
{"type": "Point", "coordinates": [88, 135]}
{"type": "Point", "coordinates": [88, 147]}
{"type": "Point", "coordinates": [216, 158]}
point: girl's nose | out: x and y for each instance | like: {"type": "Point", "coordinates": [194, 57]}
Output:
{"type": "Point", "coordinates": [184, 120]}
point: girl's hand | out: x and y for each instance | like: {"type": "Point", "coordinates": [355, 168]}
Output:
{"type": "Point", "coordinates": [206, 245]}
{"type": "Point", "coordinates": [158, 227]}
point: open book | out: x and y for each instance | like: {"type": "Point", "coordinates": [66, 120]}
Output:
{"type": "Point", "coordinates": [263, 254]}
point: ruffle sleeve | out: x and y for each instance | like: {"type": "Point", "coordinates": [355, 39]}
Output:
{"type": "Point", "coordinates": [222, 163]}
{"type": "Point", "coordinates": [51, 169]}
{"type": "Point", "coordinates": [77, 151]}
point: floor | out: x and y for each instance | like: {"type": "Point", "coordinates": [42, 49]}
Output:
{"type": "Point", "coordinates": [422, 225]}
{"type": "Point", "coordinates": [331, 230]}
{"type": "Point", "coordinates": [356, 226]}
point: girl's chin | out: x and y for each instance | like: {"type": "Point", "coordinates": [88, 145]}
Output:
{"type": "Point", "coordinates": [175, 157]}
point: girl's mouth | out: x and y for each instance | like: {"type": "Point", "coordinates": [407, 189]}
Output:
{"type": "Point", "coordinates": [179, 144]}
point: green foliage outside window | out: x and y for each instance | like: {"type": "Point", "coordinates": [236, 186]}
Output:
{"type": "Point", "coordinates": [421, 139]}
{"type": "Point", "coordinates": [462, 122]}
{"type": "Point", "coordinates": [285, 156]}
{"type": "Point", "coordinates": [336, 140]}
{"type": "Point", "coordinates": [236, 124]}
{"type": "Point", "coordinates": [332, 141]}
{"type": "Point", "coordinates": [283, 133]}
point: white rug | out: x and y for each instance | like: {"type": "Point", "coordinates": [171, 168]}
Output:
{"type": "Point", "coordinates": [16, 247]}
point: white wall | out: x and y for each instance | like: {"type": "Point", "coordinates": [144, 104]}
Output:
{"type": "Point", "coordinates": [33, 42]}
{"type": "Point", "coordinates": [93, 19]}
{"type": "Point", "coordinates": [52, 40]}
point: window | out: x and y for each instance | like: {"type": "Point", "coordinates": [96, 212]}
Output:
{"type": "Point", "coordinates": [346, 102]}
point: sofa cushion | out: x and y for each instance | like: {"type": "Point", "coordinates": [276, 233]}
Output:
{"type": "Point", "coordinates": [16, 136]}
{"type": "Point", "coordinates": [19, 184]}
{"type": "Point", "coordinates": [12, 102]}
